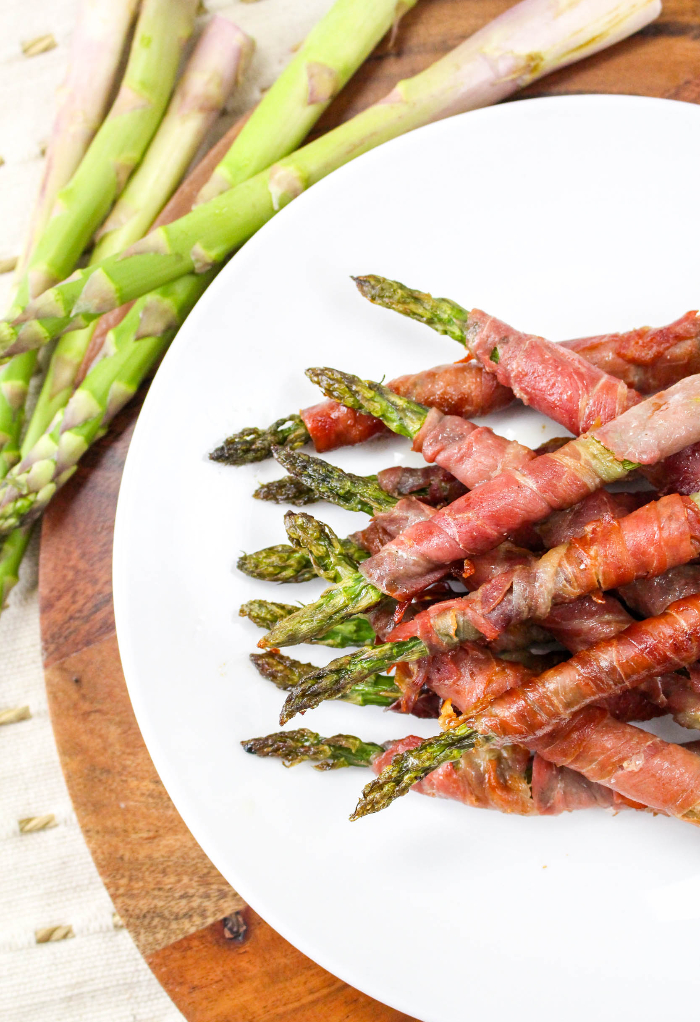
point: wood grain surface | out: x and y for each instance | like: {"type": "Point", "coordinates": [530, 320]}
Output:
{"type": "Point", "coordinates": [167, 892]}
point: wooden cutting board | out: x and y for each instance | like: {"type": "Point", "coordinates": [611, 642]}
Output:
{"type": "Point", "coordinates": [181, 912]}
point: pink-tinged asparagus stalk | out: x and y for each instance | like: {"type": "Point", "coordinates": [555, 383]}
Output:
{"type": "Point", "coordinates": [218, 63]}
{"type": "Point", "coordinates": [331, 53]}
{"type": "Point", "coordinates": [526, 42]}
{"type": "Point", "coordinates": [96, 49]}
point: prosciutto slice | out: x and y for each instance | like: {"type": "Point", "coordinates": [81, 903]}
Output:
{"type": "Point", "coordinates": [483, 518]}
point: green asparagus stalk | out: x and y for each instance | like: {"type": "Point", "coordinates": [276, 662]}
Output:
{"type": "Point", "coordinates": [349, 491]}
{"type": "Point", "coordinates": [352, 595]}
{"type": "Point", "coordinates": [96, 47]}
{"type": "Point", "coordinates": [285, 673]}
{"type": "Point", "coordinates": [282, 563]}
{"type": "Point", "coordinates": [136, 345]}
{"type": "Point", "coordinates": [331, 53]}
{"type": "Point", "coordinates": [334, 681]}
{"type": "Point", "coordinates": [353, 631]}
{"type": "Point", "coordinates": [490, 65]}
{"type": "Point", "coordinates": [82, 205]}
{"type": "Point", "coordinates": [294, 747]}
{"type": "Point", "coordinates": [411, 766]}
{"type": "Point", "coordinates": [254, 444]}
{"type": "Point", "coordinates": [400, 414]}
{"type": "Point", "coordinates": [218, 60]}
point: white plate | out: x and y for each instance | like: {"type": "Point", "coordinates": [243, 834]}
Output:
{"type": "Point", "coordinates": [565, 217]}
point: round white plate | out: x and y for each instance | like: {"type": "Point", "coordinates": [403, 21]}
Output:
{"type": "Point", "coordinates": [564, 216]}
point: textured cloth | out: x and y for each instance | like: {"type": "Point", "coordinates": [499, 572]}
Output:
{"type": "Point", "coordinates": [49, 886]}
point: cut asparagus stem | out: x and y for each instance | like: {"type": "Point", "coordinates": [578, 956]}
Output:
{"type": "Point", "coordinates": [285, 673]}
{"type": "Point", "coordinates": [287, 490]}
{"type": "Point", "coordinates": [400, 414]}
{"type": "Point", "coordinates": [409, 767]}
{"type": "Point", "coordinates": [321, 544]}
{"type": "Point", "coordinates": [332, 682]}
{"type": "Point", "coordinates": [354, 493]}
{"type": "Point", "coordinates": [96, 48]}
{"type": "Point", "coordinates": [282, 563]}
{"type": "Point", "coordinates": [81, 206]}
{"type": "Point", "coordinates": [469, 77]}
{"type": "Point", "coordinates": [353, 631]}
{"type": "Point", "coordinates": [255, 444]}
{"type": "Point", "coordinates": [330, 54]}
{"type": "Point", "coordinates": [441, 314]}
{"type": "Point", "coordinates": [294, 747]}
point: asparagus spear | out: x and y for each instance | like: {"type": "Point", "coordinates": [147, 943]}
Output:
{"type": "Point", "coordinates": [287, 490]}
{"type": "Point", "coordinates": [349, 491]}
{"type": "Point", "coordinates": [285, 673]}
{"type": "Point", "coordinates": [331, 53]}
{"type": "Point", "coordinates": [82, 205]}
{"type": "Point", "coordinates": [321, 544]}
{"type": "Point", "coordinates": [400, 414]}
{"type": "Point", "coordinates": [353, 631]}
{"type": "Point", "coordinates": [469, 77]}
{"type": "Point", "coordinates": [334, 682]}
{"type": "Point", "coordinates": [95, 52]}
{"type": "Point", "coordinates": [282, 563]}
{"type": "Point", "coordinates": [217, 62]}
{"type": "Point", "coordinates": [294, 747]}
{"type": "Point", "coordinates": [137, 344]}
{"type": "Point", "coordinates": [441, 314]}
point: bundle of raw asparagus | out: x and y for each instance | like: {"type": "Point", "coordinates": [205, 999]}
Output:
{"type": "Point", "coordinates": [143, 264]}
{"type": "Point", "coordinates": [470, 566]}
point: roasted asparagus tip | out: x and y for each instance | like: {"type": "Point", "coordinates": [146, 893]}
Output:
{"type": "Point", "coordinates": [411, 766]}
{"type": "Point", "coordinates": [287, 490]}
{"type": "Point", "coordinates": [326, 481]}
{"type": "Point", "coordinates": [400, 414]}
{"type": "Point", "coordinates": [294, 747]}
{"type": "Point", "coordinates": [341, 675]}
{"type": "Point", "coordinates": [254, 444]}
{"type": "Point", "coordinates": [442, 314]}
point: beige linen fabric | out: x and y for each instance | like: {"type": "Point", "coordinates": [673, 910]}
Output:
{"type": "Point", "coordinates": [63, 955]}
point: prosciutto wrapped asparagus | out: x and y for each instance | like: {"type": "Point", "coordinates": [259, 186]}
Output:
{"type": "Point", "coordinates": [526, 714]}
{"type": "Point", "coordinates": [509, 780]}
{"type": "Point", "coordinates": [646, 359]}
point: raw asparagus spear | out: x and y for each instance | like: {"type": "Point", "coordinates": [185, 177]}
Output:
{"type": "Point", "coordinates": [218, 60]}
{"type": "Point", "coordinates": [330, 54]}
{"type": "Point", "coordinates": [353, 631]}
{"type": "Point", "coordinates": [285, 673]}
{"type": "Point", "coordinates": [95, 52]}
{"type": "Point", "coordinates": [214, 229]}
{"type": "Point", "coordinates": [137, 344]}
{"type": "Point", "coordinates": [82, 205]}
